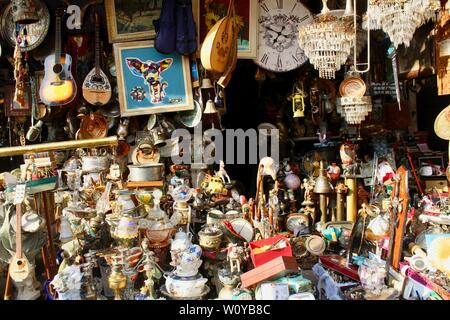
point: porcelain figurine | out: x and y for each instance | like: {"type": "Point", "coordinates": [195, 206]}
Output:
{"type": "Point", "coordinates": [347, 153]}
{"type": "Point", "coordinates": [223, 174]}
{"type": "Point", "coordinates": [151, 270]}
{"type": "Point", "coordinates": [334, 172]}
{"type": "Point", "coordinates": [236, 255]}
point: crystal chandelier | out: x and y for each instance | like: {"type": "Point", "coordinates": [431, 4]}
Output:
{"type": "Point", "coordinates": [354, 109]}
{"type": "Point", "coordinates": [400, 18]}
{"type": "Point", "coordinates": [353, 105]}
{"type": "Point", "coordinates": [327, 42]}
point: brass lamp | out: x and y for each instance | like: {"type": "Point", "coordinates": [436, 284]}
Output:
{"type": "Point", "coordinates": [24, 11]}
{"type": "Point", "coordinates": [117, 281]}
{"type": "Point", "coordinates": [323, 188]}
{"type": "Point", "coordinates": [298, 105]}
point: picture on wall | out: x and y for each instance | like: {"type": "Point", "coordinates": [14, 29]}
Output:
{"type": "Point", "coordinates": [150, 82]}
{"type": "Point", "coordinates": [132, 20]}
{"type": "Point", "coordinates": [209, 12]}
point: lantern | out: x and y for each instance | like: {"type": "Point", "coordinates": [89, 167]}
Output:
{"type": "Point", "coordinates": [298, 105]}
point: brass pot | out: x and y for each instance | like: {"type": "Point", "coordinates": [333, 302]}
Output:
{"type": "Point", "coordinates": [210, 238]}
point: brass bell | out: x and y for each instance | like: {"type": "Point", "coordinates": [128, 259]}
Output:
{"type": "Point", "coordinates": [24, 11]}
{"type": "Point", "coordinates": [323, 185]}
{"type": "Point", "coordinates": [207, 84]}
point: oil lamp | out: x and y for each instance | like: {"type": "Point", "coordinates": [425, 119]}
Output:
{"type": "Point", "coordinates": [298, 105]}
{"type": "Point", "coordinates": [117, 281]}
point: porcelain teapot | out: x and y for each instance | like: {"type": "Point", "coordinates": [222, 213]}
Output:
{"type": "Point", "coordinates": [182, 241]}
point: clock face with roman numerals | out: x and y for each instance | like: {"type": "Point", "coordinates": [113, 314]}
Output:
{"type": "Point", "coordinates": [279, 21]}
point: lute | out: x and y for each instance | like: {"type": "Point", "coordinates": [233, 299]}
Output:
{"type": "Point", "coordinates": [218, 43]}
{"type": "Point", "coordinates": [58, 86]}
{"type": "Point", "coordinates": [233, 54]}
{"type": "Point", "coordinates": [96, 86]}
{"type": "Point", "coordinates": [19, 267]}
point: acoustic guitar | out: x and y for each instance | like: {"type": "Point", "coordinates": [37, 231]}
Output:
{"type": "Point", "coordinates": [58, 86]}
{"type": "Point", "coordinates": [218, 43]}
{"type": "Point", "coordinates": [96, 86]}
{"type": "Point", "coordinates": [19, 267]}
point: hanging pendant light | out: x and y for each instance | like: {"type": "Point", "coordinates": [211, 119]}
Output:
{"type": "Point", "coordinates": [328, 41]}
{"type": "Point", "coordinates": [400, 18]}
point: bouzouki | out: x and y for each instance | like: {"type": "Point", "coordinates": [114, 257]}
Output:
{"type": "Point", "coordinates": [218, 43]}
{"type": "Point", "coordinates": [58, 86]}
{"type": "Point", "coordinates": [233, 55]}
{"type": "Point", "coordinates": [96, 86]}
{"type": "Point", "coordinates": [19, 267]}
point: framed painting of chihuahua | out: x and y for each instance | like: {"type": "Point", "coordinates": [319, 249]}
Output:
{"type": "Point", "coordinates": [150, 82]}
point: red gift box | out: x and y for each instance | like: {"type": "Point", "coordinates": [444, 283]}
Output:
{"type": "Point", "coordinates": [262, 258]}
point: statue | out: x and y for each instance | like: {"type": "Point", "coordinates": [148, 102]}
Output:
{"type": "Point", "coordinates": [151, 270]}
{"type": "Point", "coordinates": [236, 255]}
{"type": "Point", "coordinates": [223, 174]}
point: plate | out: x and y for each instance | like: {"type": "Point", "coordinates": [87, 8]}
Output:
{"type": "Point", "coordinates": [315, 245]}
{"type": "Point", "coordinates": [191, 118]}
{"type": "Point", "coordinates": [442, 124]}
{"type": "Point", "coordinates": [151, 122]}
{"type": "Point", "coordinates": [36, 32]}
{"type": "Point", "coordinates": [243, 228]}
{"type": "Point", "coordinates": [353, 87]}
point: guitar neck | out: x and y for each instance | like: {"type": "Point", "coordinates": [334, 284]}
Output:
{"type": "Point", "coordinates": [97, 45]}
{"type": "Point", "coordinates": [58, 41]}
{"type": "Point", "coordinates": [19, 230]}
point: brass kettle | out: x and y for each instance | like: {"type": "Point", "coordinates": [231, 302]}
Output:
{"type": "Point", "coordinates": [323, 185]}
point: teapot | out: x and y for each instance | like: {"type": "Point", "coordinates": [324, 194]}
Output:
{"type": "Point", "coordinates": [182, 241]}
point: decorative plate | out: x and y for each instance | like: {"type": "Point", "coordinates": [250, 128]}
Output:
{"type": "Point", "coordinates": [353, 87]}
{"type": "Point", "coordinates": [191, 118]}
{"type": "Point", "coordinates": [243, 228]}
{"type": "Point", "coordinates": [36, 32]}
{"type": "Point", "coordinates": [442, 124]}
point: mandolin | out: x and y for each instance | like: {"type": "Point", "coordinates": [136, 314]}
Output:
{"type": "Point", "coordinates": [58, 86]}
{"type": "Point", "coordinates": [96, 86]}
{"type": "Point", "coordinates": [218, 43]}
{"type": "Point", "coordinates": [19, 267]}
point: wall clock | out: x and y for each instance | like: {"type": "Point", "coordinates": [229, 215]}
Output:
{"type": "Point", "coordinates": [36, 32]}
{"type": "Point", "coordinates": [279, 21]}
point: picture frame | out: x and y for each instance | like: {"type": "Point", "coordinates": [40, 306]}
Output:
{"type": "Point", "coordinates": [246, 10]}
{"type": "Point", "coordinates": [8, 92]}
{"type": "Point", "coordinates": [164, 86]}
{"type": "Point", "coordinates": [143, 27]}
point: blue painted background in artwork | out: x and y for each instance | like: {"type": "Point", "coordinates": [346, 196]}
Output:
{"type": "Point", "coordinates": [173, 76]}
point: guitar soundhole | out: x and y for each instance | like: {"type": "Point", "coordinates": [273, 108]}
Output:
{"type": "Point", "coordinates": [57, 68]}
{"type": "Point", "coordinates": [19, 263]}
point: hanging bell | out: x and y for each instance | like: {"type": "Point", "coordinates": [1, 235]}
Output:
{"type": "Point", "coordinates": [323, 185]}
{"type": "Point", "coordinates": [207, 84]}
{"type": "Point", "coordinates": [24, 11]}
{"type": "Point", "coordinates": [298, 105]}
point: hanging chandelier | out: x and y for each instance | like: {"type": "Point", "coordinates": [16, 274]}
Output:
{"type": "Point", "coordinates": [400, 18]}
{"type": "Point", "coordinates": [328, 41]}
{"type": "Point", "coordinates": [353, 105]}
